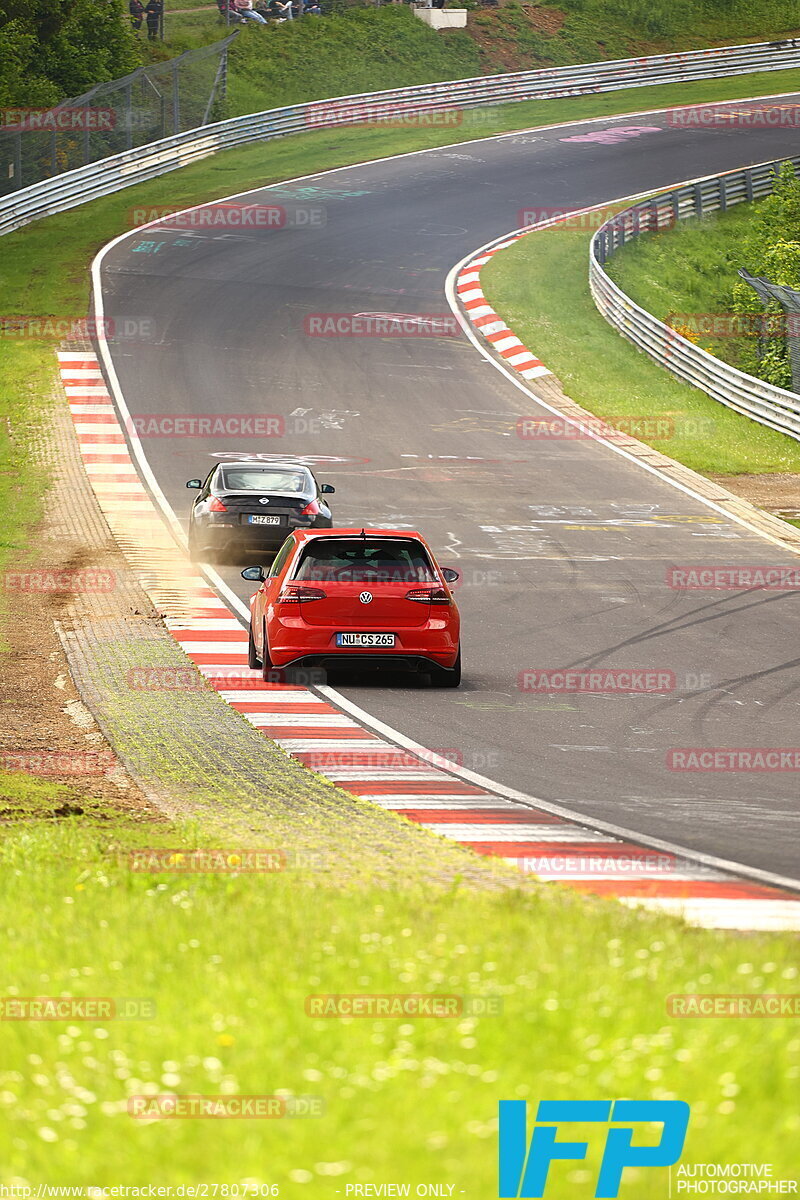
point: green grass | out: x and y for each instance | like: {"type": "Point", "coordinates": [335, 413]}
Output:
{"type": "Point", "coordinates": [369, 49]}
{"type": "Point", "coordinates": [605, 373]}
{"type": "Point", "coordinates": [366, 48]}
{"type": "Point", "coordinates": [691, 269]}
{"type": "Point", "coordinates": [228, 962]}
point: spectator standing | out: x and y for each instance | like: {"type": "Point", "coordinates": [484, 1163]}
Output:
{"type": "Point", "coordinates": [136, 9]}
{"type": "Point", "coordinates": [154, 10]}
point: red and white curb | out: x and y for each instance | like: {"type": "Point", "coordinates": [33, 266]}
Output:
{"type": "Point", "coordinates": [328, 740]}
{"type": "Point", "coordinates": [487, 322]}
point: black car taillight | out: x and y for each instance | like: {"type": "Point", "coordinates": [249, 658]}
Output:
{"type": "Point", "coordinates": [429, 595]}
{"type": "Point", "coordinates": [294, 594]}
{"type": "Point", "coordinates": [312, 509]}
{"type": "Point", "coordinates": [216, 505]}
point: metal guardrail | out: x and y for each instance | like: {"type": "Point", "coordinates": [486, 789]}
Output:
{"type": "Point", "coordinates": [762, 402]}
{"type": "Point", "coordinates": [146, 162]}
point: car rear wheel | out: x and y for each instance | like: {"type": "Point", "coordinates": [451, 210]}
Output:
{"type": "Point", "coordinates": [266, 661]}
{"type": "Point", "coordinates": [253, 661]}
{"type": "Point", "coordinates": [448, 677]}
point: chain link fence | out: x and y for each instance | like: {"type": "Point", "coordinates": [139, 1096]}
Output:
{"type": "Point", "coordinates": [153, 102]}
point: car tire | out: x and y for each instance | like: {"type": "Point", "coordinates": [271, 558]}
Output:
{"type": "Point", "coordinates": [266, 661]}
{"type": "Point", "coordinates": [449, 677]}
{"type": "Point", "coordinates": [253, 661]}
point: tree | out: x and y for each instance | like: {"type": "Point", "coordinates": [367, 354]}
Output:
{"type": "Point", "coordinates": [53, 49]}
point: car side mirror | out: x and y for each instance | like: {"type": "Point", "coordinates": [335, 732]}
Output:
{"type": "Point", "coordinates": [195, 483]}
{"type": "Point", "coordinates": [254, 574]}
{"type": "Point", "coordinates": [450, 575]}
{"type": "Point", "coordinates": [327, 489]}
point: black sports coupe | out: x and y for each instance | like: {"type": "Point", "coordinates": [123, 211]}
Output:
{"type": "Point", "coordinates": [251, 506]}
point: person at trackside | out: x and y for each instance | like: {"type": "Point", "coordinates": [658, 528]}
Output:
{"type": "Point", "coordinates": [244, 9]}
{"type": "Point", "coordinates": [154, 10]}
{"type": "Point", "coordinates": [136, 9]}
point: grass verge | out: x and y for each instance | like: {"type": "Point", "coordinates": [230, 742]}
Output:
{"type": "Point", "coordinates": [227, 964]}
{"type": "Point", "coordinates": [606, 374]}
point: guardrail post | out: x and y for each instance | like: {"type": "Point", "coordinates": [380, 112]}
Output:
{"type": "Point", "coordinates": [176, 101]}
{"type": "Point", "coordinates": [748, 184]}
{"type": "Point", "coordinates": [129, 117]}
{"type": "Point", "coordinates": [18, 161]}
{"type": "Point", "coordinates": [723, 193]}
{"type": "Point", "coordinates": [698, 200]}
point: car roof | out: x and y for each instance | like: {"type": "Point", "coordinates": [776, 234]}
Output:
{"type": "Point", "coordinates": [307, 534]}
{"type": "Point", "coordinates": [237, 466]}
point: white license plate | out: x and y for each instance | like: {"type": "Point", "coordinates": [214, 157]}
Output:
{"type": "Point", "coordinates": [264, 520]}
{"type": "Point", "coordinates": [365, 639]}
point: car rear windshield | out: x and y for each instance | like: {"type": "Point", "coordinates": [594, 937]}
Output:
{"type": "Point", "coordinates": [264, 479]}
{"type": "Point", "coordinates": [366, 560]}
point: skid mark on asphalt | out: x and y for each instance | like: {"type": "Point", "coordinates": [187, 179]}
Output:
{"type": "Point", "coordinates": [418, 786]}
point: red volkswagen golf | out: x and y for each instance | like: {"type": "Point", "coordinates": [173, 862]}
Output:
{"type": "Point", "coordinates": [354, 598]}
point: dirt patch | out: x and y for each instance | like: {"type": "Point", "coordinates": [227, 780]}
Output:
{"type": "Point", "coordinates": [46, 732]}
{"type": "Point", "coordinates": [778, 494]}
{"type": "Point", "coordinates": [545, 20]}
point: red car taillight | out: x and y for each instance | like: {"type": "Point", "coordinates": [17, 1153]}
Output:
{"type": "Point", "coordinates": [311, 510]}
{"type": "Point", "coordinates": [216, 506]}
{"type": "Point", "coordinates": [293, 594]}
{"type": "Point", "coordinates": [429, 595]}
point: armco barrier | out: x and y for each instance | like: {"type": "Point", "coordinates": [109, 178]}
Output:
{"type": "Point", "coordinates": [752, 397]}
{"type": "Point", "coordinates": [146, 162]}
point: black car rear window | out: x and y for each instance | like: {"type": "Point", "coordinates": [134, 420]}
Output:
{"type": "Point", "coordinates": [366, 560]}
{"type": "Point", "coordinates": [264, 479]}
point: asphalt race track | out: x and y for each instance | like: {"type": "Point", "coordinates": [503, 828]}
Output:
{"type": "Point", "coordinates": [563, 545]}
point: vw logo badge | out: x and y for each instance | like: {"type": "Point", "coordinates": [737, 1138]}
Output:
{"type": "Point", "coordinates": [366, 597]}
{"type": "Point", "coordinates": [263, 500]}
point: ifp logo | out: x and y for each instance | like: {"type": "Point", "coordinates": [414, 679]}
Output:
{"type": "Point", "coordinates": [523, 1169]}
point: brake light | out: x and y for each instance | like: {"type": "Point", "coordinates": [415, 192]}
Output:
{"type": "Point", "coordinates": [294, 594]}
{"type": "Point", "coordinates": [311, 510]}
{"type": "Point", "coordinates": [216, 505]}
{"type": "Point", "coordinates": [429, 595]}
